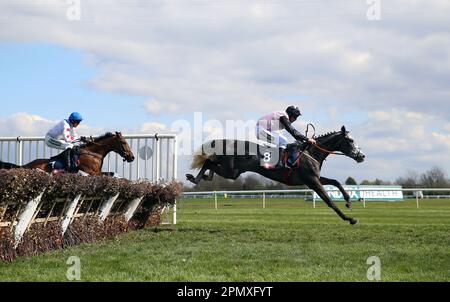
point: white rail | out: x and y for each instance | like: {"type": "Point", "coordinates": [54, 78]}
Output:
{"type": "Point", "coordinates": [156, 155]}
{"type": "Point", "coordinates": [266, 193]}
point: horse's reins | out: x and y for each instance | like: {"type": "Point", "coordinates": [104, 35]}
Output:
{"type": "Point", "coordinates": [86, 152]}
{"type": "Point", "coordinates": [328, 151]}
{"type": "Point", "coordinates": [91, 141]}
{"type": "Point", "coordinates": [317, 146]}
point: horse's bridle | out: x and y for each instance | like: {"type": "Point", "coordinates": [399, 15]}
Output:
{"type": "Point", "coordinates": [317, 146]}
{"type": "Point", "coordinates": [122, 151]}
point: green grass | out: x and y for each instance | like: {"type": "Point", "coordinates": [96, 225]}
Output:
{"type": "Point", "coordinates": [286, 241]}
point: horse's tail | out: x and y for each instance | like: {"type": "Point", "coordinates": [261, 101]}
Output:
{"type": "Point", "coordinates": [4, 165]}
{"type": "Point", "coordinates": [199, 158]}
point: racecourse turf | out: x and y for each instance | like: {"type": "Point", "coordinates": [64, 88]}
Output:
{"type": "Point", "coordinates": [286, 241]}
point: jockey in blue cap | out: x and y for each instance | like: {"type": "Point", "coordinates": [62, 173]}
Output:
{"type": "Point", "coordinates": [64, 137]}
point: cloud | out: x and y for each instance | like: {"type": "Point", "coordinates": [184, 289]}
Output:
{"type": "Point", "coordinates": [155, 107]}
{"type": "Point", "coordinates": [253, 54]}
{"type": "Point", "coordinates": [387, 80]}
{"type": "Point", "coordinates": [25, 124]}
{"type": "Point", "coordinates": [152, 127]}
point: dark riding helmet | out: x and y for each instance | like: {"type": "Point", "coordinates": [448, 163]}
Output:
{"type": "Point", "coordinates": [293, 111]}
{"type": "Point", "coordinates": [75, 117]}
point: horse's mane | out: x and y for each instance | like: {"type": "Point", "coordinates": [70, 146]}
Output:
{"type": "Point", "coordinates": [97, 139]}
{"type": "Point", "coordinates": [327, 134]}
{"type": "Point", "coordinates": [101, 137]}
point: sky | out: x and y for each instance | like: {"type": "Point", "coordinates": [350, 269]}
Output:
{"type": "Point", "coordinates": [381, 68]}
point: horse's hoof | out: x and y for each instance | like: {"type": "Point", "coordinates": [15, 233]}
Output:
{"type": "Point", "coordinates": [191, 178]}
{"type": "Point", "coordinates": [353, 221]}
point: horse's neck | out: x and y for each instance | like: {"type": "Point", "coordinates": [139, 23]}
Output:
{"type": "Point", "coordinates": [328, 142]}
{"type": "Point", "coordinates": [102, 148]}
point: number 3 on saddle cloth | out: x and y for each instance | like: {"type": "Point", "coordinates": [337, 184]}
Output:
{"type": "Point", "coordinates": [59, 162]}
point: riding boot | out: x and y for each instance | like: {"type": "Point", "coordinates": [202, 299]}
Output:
{"type": "Point", "coordinates": [68, 158]}
{"type": "Point", "coordinates": [281, 162]}
{"type": "Point", "coordinates": [291, 155]}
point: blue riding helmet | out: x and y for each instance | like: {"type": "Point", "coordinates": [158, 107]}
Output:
{"type": "Point", "coordinates": [75, 117]}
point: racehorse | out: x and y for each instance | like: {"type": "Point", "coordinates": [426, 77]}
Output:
{"type": "Point", "coordinates": [306, 170]}
{"type": "Point", "coordinates": [91, 155]}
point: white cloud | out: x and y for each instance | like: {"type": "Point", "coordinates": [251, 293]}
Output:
{"type": "Point", "coordinates": [253, 53]}
{"type": "Point", "coordinates": [152, 127]}
{"type": "Point", "coordinates": [25, 124]}
{"type": "Point", "coordinates": [229, 58]}
{"type": "Point", "coordinates": [153, 106]}
{"type": "Point", "coordinates": [156, 107]}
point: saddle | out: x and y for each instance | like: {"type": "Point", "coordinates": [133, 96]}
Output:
{"type": "Point", "coordinates": [282, 158]}
{"type": "Point", "coordinates": [58, 162]}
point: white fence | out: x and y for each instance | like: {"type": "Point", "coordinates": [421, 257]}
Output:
{"type": "Point", "coordinates": [416, 193]}
{"type": "Point", "coordinates": [156, 155]}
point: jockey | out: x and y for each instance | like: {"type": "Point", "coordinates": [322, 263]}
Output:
{"type": "Point", "coordinates": [64, 137]}
{"type": "Point", "coordinates": [270, 126]}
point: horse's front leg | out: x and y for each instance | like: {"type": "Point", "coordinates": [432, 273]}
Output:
{"type": "Point", "coordinates": [316, 185]}
{"type": "Point", "coordinates": [337, 184]}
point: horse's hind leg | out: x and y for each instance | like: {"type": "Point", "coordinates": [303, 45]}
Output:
{"type": "Point", "coordinates": [196, 180]}
{"type": "Point", "coordinates": [337, 184]}
{"type": "Point", "coordinates": [208, 177]}
{"type": "Point", "coordinates": [226, 170]}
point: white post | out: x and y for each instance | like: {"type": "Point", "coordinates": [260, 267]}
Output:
{"type": "Point", "coordinates": [157, 160]}
{"type": "Point", "coordinates": [25, 218]}
{"type": "Point", "coordinates": [175, 158]}
{"type": "Point", "coordinates": [20, 151]}
{"type": "Point", "coordinates": [417, 199]}
{"type": "Point", "coordinates": [175, 171]}
{"type": "Point", "coordinates": [364, 200]}
{"type": "Point", "coordinates": [175, 212]}
{"type": "Point", "coordinates": [132, 207]}
{"type": "Point", "coordinates": [264, 200]}
{"type": "Point", "coordinates": [314, 199]}
{"type": "Point", "coordinates": [70, 211]}
{"type": "Point", "coordinates": [215, 201]}
{"type": "Point", "coordinates": [107, 206]}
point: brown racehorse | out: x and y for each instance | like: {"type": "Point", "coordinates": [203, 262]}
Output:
{"type": "Point", "coordinates": [91, 157]}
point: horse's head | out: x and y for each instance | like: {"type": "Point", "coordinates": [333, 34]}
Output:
{"type": "Point", "coordinates": [347, 146]}
{"type": "Point", "coordinates": [123, 148]}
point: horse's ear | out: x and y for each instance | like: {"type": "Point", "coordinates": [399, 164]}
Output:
{"type": "Point", "coordinates": [343, 130]}
{"type": "Point", "coordinates": [118, 134]}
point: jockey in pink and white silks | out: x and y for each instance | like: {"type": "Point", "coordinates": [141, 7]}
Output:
{"type": "Point", "coordinates": [63, 136]}
{"type": "Point", "coordinates": [269, 128]}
